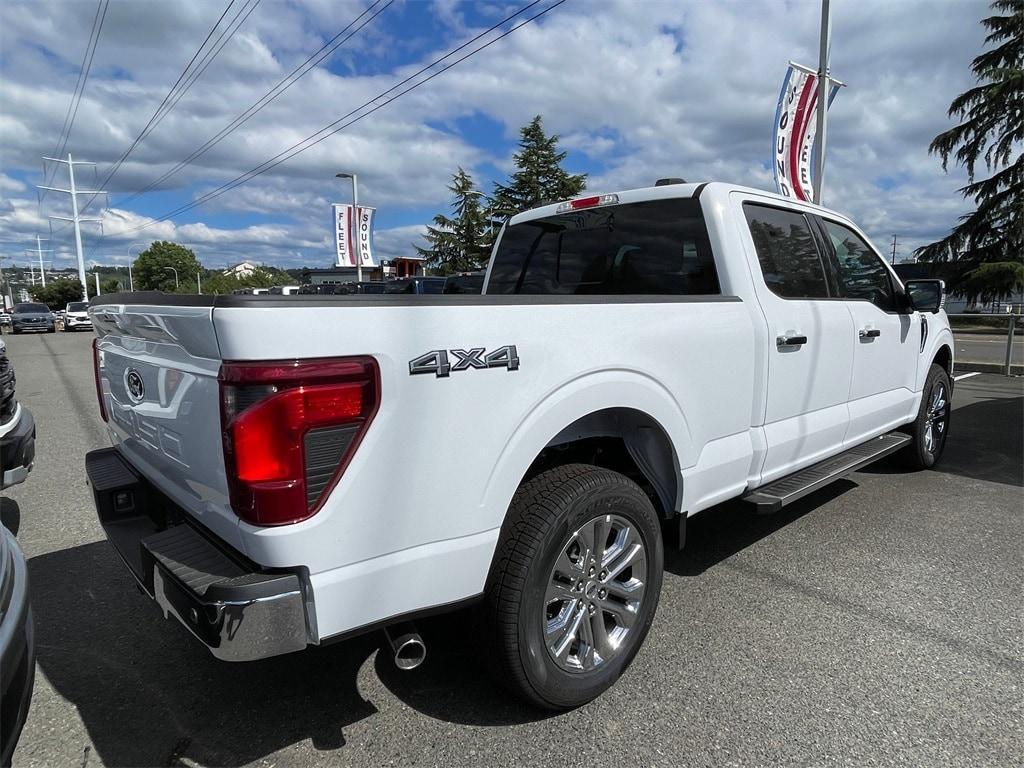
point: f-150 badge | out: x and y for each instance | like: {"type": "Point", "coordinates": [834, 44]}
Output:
{"type": "Point", "coordinates": [438, 362]}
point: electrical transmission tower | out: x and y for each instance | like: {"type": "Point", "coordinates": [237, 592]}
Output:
{"type": "Point", "coordinates": [39, 251]}
{"type": "Point", "coordinates": [75, 218]}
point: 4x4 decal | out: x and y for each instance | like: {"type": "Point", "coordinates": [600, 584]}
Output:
{"type": "Point", "coordinates": [437, 361]}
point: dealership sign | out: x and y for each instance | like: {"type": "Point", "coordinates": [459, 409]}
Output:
{"type": "Point", "coordinates": [353, 234]}
{"type": "Point", "coordinates": [795, 129]}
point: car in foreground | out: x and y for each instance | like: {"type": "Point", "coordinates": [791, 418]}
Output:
{"type": "Point", "coordinates": [32, 317]}
{"type": "Point", "coordinates": [76, 316]}
{"type": "Point", "coordinates": [17, 652]}
{"type": "Point", "coordinates": [634, 358]}
{"type": "Point", "coordinates": [17, 429]}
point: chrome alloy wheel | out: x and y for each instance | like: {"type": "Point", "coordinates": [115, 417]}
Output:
{"type": "Point", "coordinates": [936, 419]}
{"type": "Point", "coordinates": [594, 593]}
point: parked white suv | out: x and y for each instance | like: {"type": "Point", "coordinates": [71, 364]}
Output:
{"type": "Point", "coordinates": [76, 316]}
{"type": "Point", "coordinates": [291, 470]}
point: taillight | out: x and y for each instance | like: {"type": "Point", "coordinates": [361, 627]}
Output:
{"type": "Point", "coordinates": [97, 366]}
{"type": "Point", "coordinates": [290, 428]}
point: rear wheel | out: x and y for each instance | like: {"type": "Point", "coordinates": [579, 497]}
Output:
{"type": "Point", "coordinates": [931, 427]}
{"type": "Point", "coordinates": [576, 584]}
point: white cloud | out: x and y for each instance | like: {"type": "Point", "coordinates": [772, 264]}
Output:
{"type": "Point", "coordinates": [647, 90]}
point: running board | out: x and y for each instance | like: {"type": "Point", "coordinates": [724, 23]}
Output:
{"type": "Point", "coordinates": [786, 490]}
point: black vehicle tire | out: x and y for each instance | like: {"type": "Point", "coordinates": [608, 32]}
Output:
{"type": "Point", "coordinates": [536, 584]}
{"type": "Point", "coordinates": [16, 331]}
{"type": "Point", "coordinates": [930, 429]}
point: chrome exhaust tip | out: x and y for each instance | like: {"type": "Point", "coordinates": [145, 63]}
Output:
{"type": "Point", "coordinates": [407, 646]}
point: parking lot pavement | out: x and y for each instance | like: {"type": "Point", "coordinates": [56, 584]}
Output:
{"type": "Point", "coordinates": [877, 622]}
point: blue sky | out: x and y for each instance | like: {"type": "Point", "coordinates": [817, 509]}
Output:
{"type": "Point", "coordinates": [638, 89]}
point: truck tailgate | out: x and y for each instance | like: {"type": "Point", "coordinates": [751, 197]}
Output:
{"type": "Point", "coordinates": [157, 368]}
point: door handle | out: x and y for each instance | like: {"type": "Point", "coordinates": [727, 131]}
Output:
{"type": "Point", "coordinates": [869, 333]}
{"type": "Point", "coordinates": [790, 341]}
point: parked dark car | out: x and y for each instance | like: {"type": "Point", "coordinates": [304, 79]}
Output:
{"type": "Point", "coordinates": [468, 282]}
{"type": "Point", "coordinates": [32, 317]}
{"type": "Point", "coordinates": [17, 653]}
{"type": "Point", "coordinates": [364, 287]}
{"type": "Point", "coordinates": [17, 430]}
{"type": "Point", "coordinates": [415, 285]}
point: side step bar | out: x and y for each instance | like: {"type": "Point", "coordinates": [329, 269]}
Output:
{"type": "Point", "coordinates": [786, 490]}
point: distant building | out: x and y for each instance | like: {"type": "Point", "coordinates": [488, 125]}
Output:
{"type": "Point", "coordinates": [404, 266]}
{"type": "Point", "coordinates": [241, 269]}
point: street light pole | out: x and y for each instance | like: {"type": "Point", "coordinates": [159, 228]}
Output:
{"type": "Point", "coordinates": [355, 219]}
{"type": "Point", "coordinates": [172, 269]}
{"type": "Point", "coordinates": [823, 89]}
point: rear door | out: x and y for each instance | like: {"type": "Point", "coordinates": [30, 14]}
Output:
{"type": "Point", "coordinates": [886, 339]}
{"type": "Point", "coordinates": [810, 334]}
{"type": "Point", "coordinates": [158, 368]}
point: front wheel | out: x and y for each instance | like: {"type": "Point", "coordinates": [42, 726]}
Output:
{"type": "Point", "coordinates": [930, 429]}
{"type": "Point", "coordinates": [576, 584]}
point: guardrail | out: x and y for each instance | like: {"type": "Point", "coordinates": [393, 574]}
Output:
{"type": "Point", "coordinates": [990, 323]}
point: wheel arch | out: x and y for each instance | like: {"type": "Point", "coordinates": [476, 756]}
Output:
{"type": "Point", "coordinates": [616, 405]}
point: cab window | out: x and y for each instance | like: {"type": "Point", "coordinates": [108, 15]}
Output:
{"type": "Point", "coordinates": [861, 273]}
{"type": "Point", "coordinates": [787, 252]}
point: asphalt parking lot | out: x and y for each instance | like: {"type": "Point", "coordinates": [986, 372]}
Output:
{"type": "Point", "coordinates": [878, 622]}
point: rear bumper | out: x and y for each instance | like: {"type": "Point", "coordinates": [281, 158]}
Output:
{"type": "Point", "coordinates": [17, 652]}
{"type": "Point", "coordinates": [18, 450]}
{"type": "Point", "coordinates": [237, 610]}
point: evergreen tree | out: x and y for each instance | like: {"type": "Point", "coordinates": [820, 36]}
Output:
{"type": "Point", "coordinates": [539, 177]}
{"type": "Point", "coordinates": [991, 131]}
{"type": "Point", "coordinates": [460, 243]}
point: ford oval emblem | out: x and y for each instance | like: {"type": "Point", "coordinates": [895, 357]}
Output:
{"type": "Point", "coordinates": [134, 385]}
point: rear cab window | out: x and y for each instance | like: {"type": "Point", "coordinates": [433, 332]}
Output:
{"type": "Point", "coordinates": [787, 250]}
{"type": "Point", "coordinates": [655, 247]}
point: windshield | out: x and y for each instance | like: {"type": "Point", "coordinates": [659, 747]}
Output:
{"type": "Point", "coordinates": [656, 247]}
{"type": "Point", "coordinates": [30, 309]}
{"type": "Point", "coordinates": [77, 306]}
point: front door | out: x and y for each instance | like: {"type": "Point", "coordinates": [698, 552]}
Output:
{"type": "Point", "coordinates": [886, 337]}
{"type": "Point", "coordinates": [810, 335]}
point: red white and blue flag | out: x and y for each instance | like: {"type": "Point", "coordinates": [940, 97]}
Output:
{"type": "Point", "coordinates": [795, 129]}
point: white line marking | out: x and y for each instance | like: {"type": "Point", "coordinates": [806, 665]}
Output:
{"type": "Point", "coordinates": [966, 376]}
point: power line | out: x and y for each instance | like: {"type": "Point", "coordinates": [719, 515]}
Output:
{"type": "Point", "coordinates": [175, 94]}
{"type": "Point", "coordinates": [283, 85]}
{"type": "Point", "coordinates": [83, 76]}
{"type": "Point", "coordinates": [333, 128]}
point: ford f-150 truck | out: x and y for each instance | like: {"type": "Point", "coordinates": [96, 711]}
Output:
{"type": "Point", "coordinates": [289, 471]}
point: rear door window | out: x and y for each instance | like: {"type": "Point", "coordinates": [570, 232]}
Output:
{"type": "Point", "coordinates": [787, 252]}
{"type": "Point", "coordinates": [861, 273]}
{"type": "Point", "coordinates": [656, 247]}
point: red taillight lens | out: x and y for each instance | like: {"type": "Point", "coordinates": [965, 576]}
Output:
{"type": "Point", "coordinates": [96, 366]}
{"type": "Point", "coordinates": [290, 429]}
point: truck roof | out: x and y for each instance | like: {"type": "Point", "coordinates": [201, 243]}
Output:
{"type": "Point", "coordinates": [665, 191]}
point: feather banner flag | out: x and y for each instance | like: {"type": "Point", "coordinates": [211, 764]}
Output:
{"type": "Point", "coordinates": [795, 129]}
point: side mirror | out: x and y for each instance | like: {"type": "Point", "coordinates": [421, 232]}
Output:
{"type": "Point", "coordinates": [926, 295]}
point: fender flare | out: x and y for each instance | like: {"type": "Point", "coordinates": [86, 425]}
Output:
{"type": "Point", "coordinates": [569, 402]}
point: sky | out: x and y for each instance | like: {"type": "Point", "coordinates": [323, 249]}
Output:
{"type": "Point", "coordinates": [637, 89]}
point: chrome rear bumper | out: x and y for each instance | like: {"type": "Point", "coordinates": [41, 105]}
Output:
{"type": "Point", "coordinates": [238, 611]}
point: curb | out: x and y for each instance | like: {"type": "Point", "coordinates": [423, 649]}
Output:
{"type": "Point", "coordinates": [960, 367]}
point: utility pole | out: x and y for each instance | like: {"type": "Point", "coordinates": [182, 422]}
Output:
{"type": "Point", "coordinates": [199, 283]}
{"type": "Point", "coordinates": [97, 276]}
{"type": "Point", "coordinates": [894, 250]}
{"type": "Point", "coordinates": [39, 251]}
{"type": "Point", "coordinates": [75, 218]}
{"type": "Point", "coordinates": [823, 91]}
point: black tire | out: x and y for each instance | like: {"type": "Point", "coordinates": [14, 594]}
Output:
{"type": "Point", "coordinates": [544, 515]}
{"type": "Point", "coordinates": [925, 451]}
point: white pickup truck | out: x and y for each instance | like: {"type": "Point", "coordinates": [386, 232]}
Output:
{"type": "Point", "coordinates": [289, 471]}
